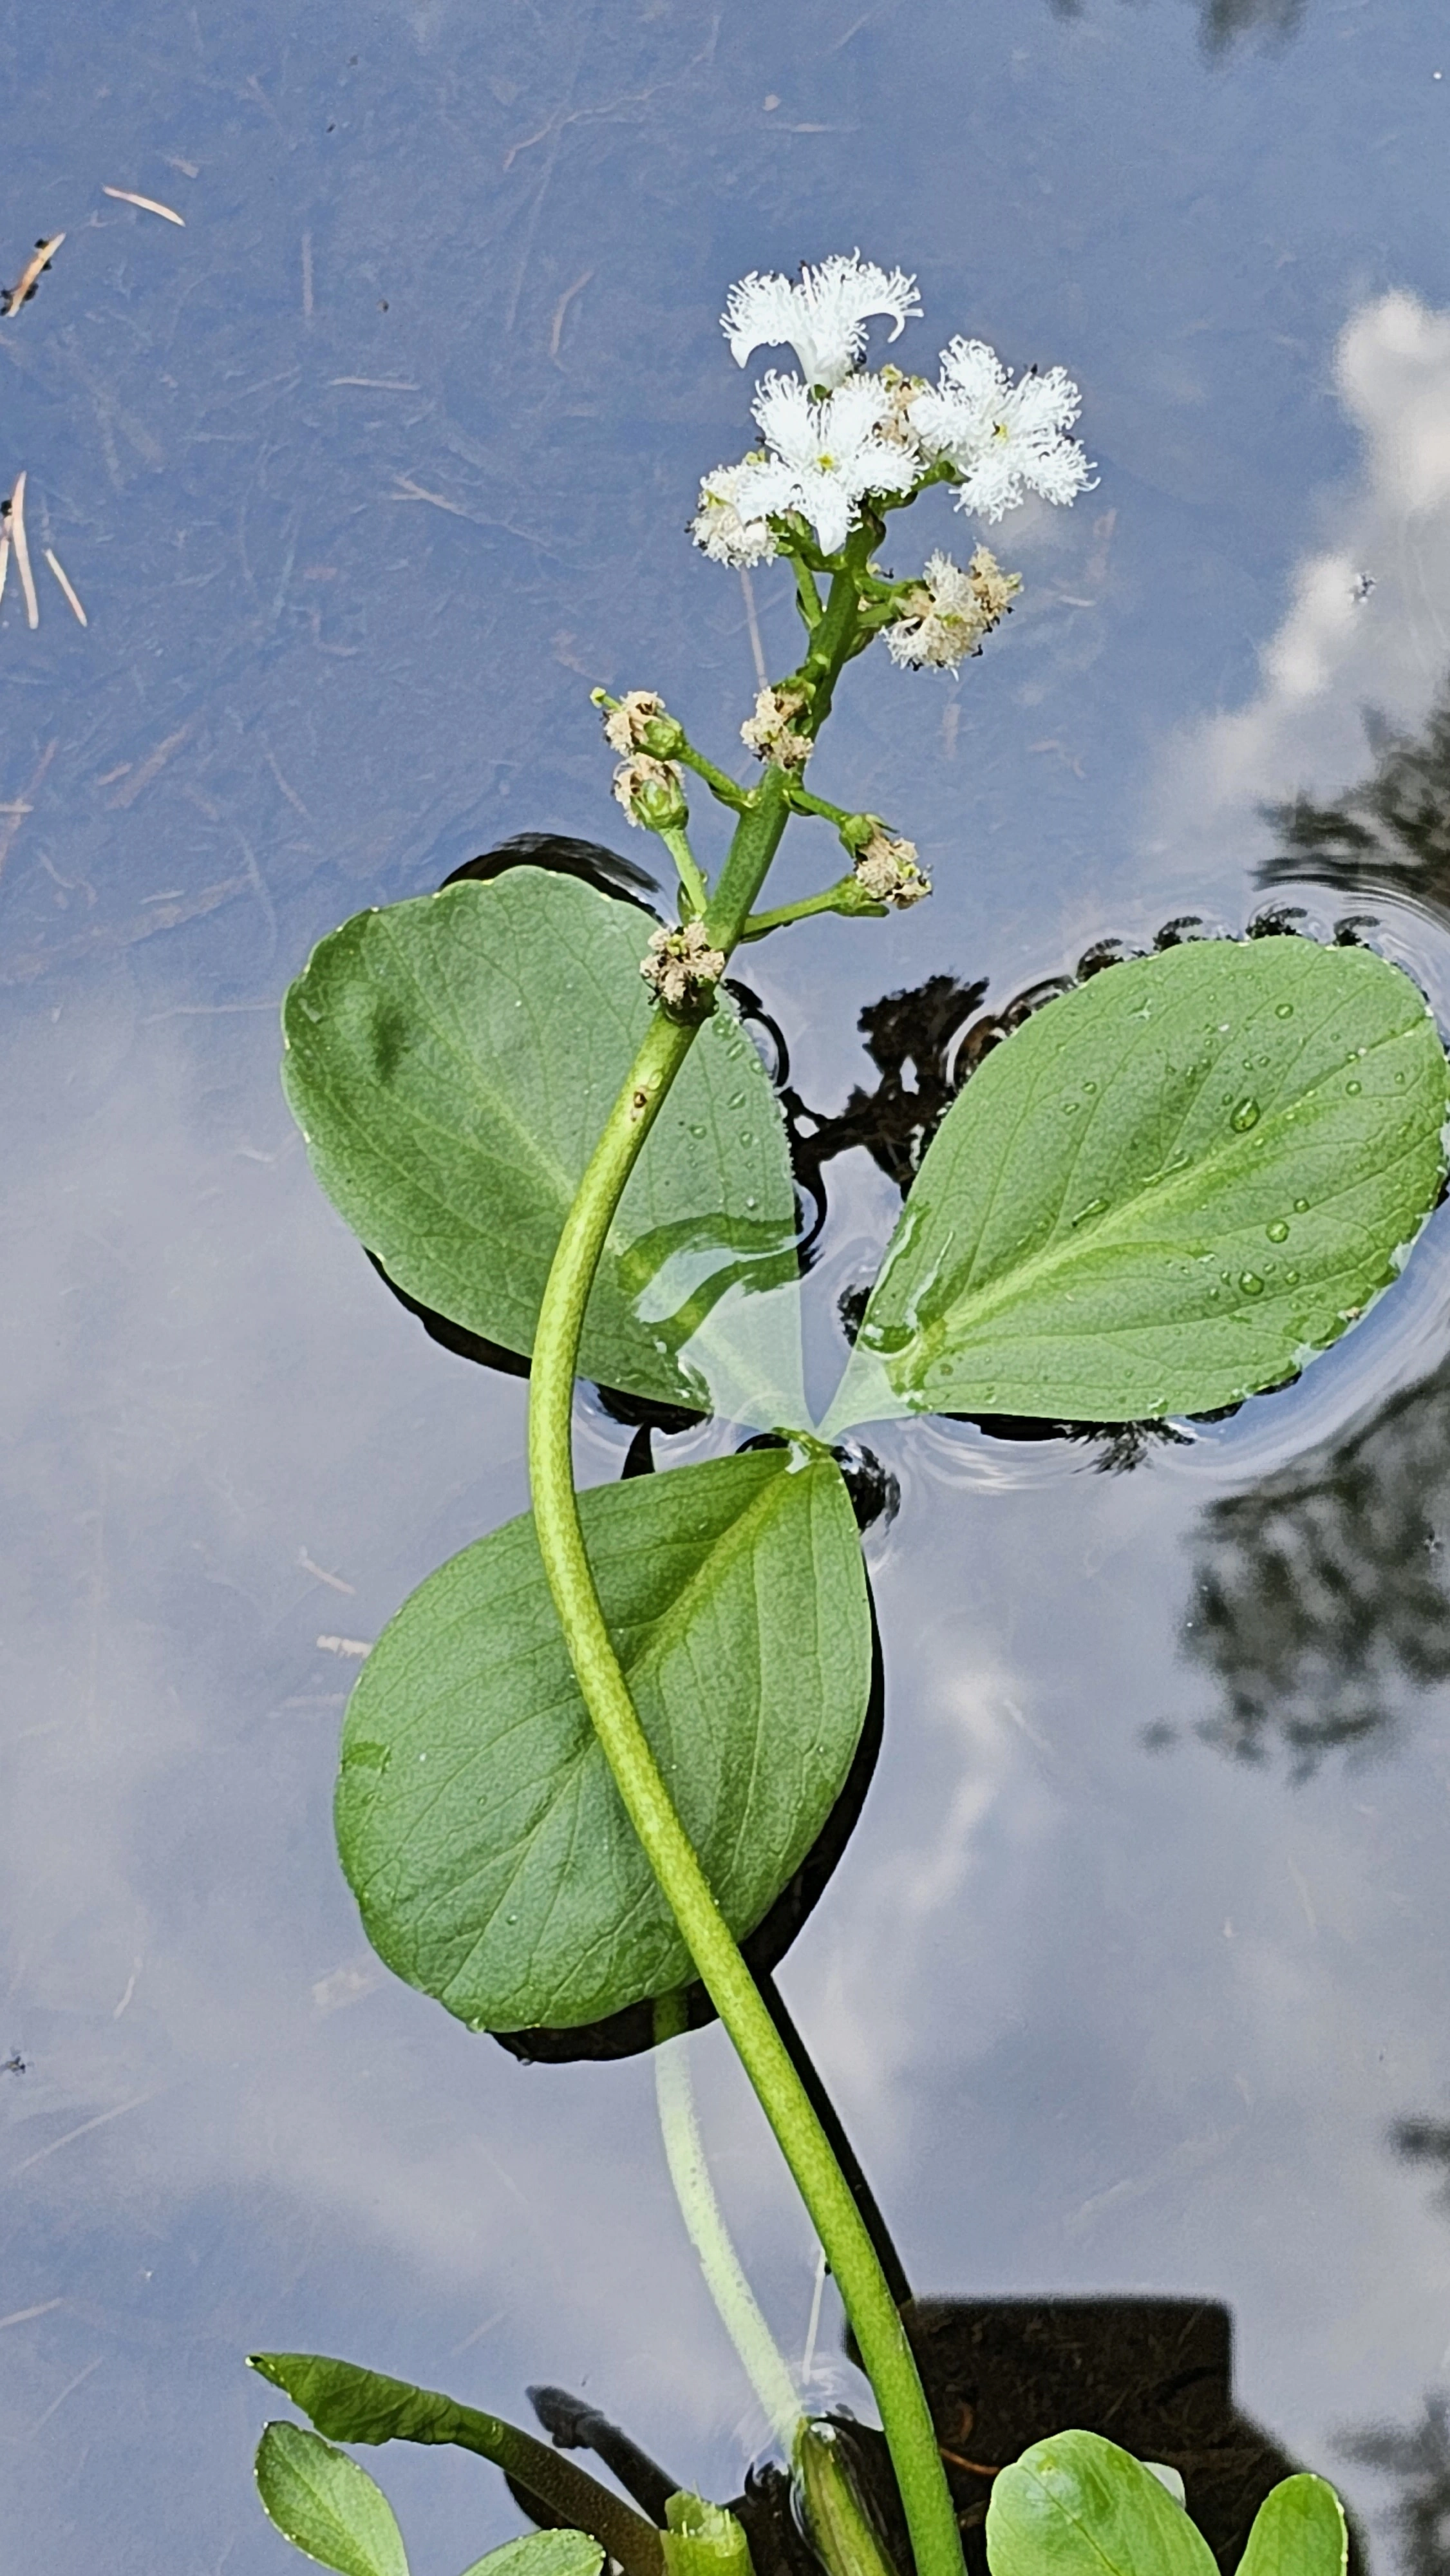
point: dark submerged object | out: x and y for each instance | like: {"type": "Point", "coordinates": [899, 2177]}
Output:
{"type": "Point", "coordinates": [1153, 2375]}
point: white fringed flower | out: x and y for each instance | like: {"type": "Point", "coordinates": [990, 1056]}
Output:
{"type": "Point", "coordinates": [822, 315]}
{"type": "Point", "coordinates": [718, 527]}
{"type": "Point", "coordinates": [823, 456]}
{"type": "Point", "coordinates": [946, 616]}
{"type": "Point", "coordinates": [1004, 439]}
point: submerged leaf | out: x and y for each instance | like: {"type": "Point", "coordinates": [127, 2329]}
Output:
{"type": "Point", "coordinates": [1078, 2506]}
{"type": "Point", "coordinates": [1299, 2530]}
{"type": "Point", "coordinates": [477, 1819]}
{"type": "Point", "coordinates": [326, 2505]}
{"type": "Point", "coordinates": [1163, 1192]}
{"type": "Point", "coordinates": [451, 1062]}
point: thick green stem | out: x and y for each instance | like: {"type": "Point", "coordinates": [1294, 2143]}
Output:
{"type": "Point", "coordinates": [880, 2335]}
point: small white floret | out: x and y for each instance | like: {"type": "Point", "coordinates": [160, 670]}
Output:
{"type": "Point", "coordinates": [822, 315]}
{"type": "Point", "coordinates": [1003, 439]}
{"type": "Point", "coordinates": [823, 456]}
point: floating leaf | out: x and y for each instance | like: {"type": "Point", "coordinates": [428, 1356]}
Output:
{"type": "Point", "coordinates": [1163, 1192]}
{"type": "Point", "coordinates": [1078, 2506]}
{"type": "Point", "coordinates": [542, 2553]}
{"type": "Point", "coordinates": [477, 1819]}
{"type": "Point", "coordinates": [326, 2505]}
{"type": "Point", "coordinates": [1299, 2530]}
{"type": "Point", "coordinates": [451, 1062]}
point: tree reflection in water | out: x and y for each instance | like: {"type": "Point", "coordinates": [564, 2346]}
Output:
{"type": "Point", "coordinates": [1321, 1588]}
{"type": "Point", "coordinates": [1416, 2455]}
{"type": "Point", "coordinates": [1389, 835]}
{"type": "Point", "coordinates": [1222, 22]}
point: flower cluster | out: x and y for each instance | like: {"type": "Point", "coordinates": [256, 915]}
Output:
{"type": "Point", "coordinates": [837, 434]}
{"type": "Point", "coordinates": [946, 615]}
{"type": "Point", "coordinates": [772, 734]}
{"type": "Point", "coordinates": [887, 870]}
{"type": "Point", "coordinates": [682, 967]}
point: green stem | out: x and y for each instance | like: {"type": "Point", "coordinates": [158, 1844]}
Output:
{"type": "Point", "coordinates": [735, 2301]}
{"type": "Point", "coordinates": [807, 596]}
{"type": "Point", "coordinates": [718, 781]}
{"type": "Point", "coordinates": [880, 2335]}
{"type": "Point", "coordinates": [831, 900]}
{"type": "Point", "coordinates": [676, 841]}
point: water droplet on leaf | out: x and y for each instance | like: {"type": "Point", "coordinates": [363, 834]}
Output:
{"type": "Point", "coordinates": [1283, 1010]}
{"type": "Point", "coordinates": [1278, 1232]}
{"type": "Point", "coordinates": [1095, 1207]}
{"type": "Point", "coordinates": [1251, 1284]}
{"type": "Point", "coordinates": [1245, 1116]}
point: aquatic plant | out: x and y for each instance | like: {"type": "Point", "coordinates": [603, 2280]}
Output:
{"type": "Point", "coordinates": [589, 1753]}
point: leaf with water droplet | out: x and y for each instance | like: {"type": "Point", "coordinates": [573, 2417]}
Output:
{"type": "Point", "coordinates": [511, 1885]}
{"type": "Point", "coordinates": [997, 1281]}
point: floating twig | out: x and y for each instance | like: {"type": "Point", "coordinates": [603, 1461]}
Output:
{"type": "Point", "coordinates": [25, 285]}
{"type": "Point", "coordinates": [57, 569]}
{"type": "Point", "coordinates": [148, 205]}
{"type": "Point", "coordinates": [18, 539]}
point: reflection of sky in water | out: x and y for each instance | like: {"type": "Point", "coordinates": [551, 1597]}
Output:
{"type": "Point", "coordinates": [364, 478]}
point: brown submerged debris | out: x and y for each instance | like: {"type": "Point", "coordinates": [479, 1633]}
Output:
{"type": "Point", "coordinates": [12, 297]}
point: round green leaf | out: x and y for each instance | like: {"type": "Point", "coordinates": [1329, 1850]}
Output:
{"type": "Point", "coordinates": [326, 2505]}
{"type": "Point", "coordinates": [1078, 2506]}
{"type": "Point", "coordinates": [1299, 2530]}
{"type": "Point", "coordinates": [542, 2553]}
{"type": "Point", "coordinates": [477, 1819]}
{"type": "Point", "coordinates": [1163, 1192]}
{"type": "Point", "coordinates": [451, 1062]}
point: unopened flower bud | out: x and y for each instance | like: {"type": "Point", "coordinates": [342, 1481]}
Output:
{"type": "Point", "coordinates": [683, 968]}
{"type": "Point", "coordinates": [771, 732]}
{"type": "Point", "coordinates": [887, 871]}
{"type": "Point", "coordinates": [652, 793]}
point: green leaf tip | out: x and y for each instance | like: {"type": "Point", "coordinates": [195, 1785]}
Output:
{"type": "Point", "coordinates": [1299, 2530]}
{"type": "Point", "coordinates": [1077, 2505]}
{"type": "Point", "coordinates": [1162, 1193]}
{"type": "Point", "coordinates": [490, 1853]}
{"type": "Point", "coordinates": [326, 2505]}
